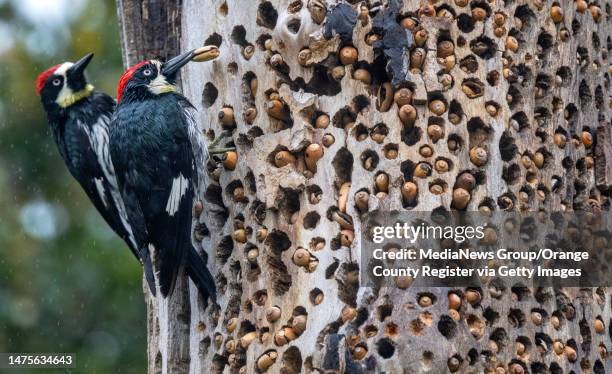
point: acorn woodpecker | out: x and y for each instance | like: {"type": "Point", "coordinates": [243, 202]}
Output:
{"type": "Point", "coordinates": [155, 143]}
{"type": "Point", "coordinates": [79, 118]}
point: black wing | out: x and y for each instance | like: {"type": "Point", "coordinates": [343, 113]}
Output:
{"type": "Point", "coordinates": [155, 167]}
{"type": "Point", "coordinates": [86, 153]}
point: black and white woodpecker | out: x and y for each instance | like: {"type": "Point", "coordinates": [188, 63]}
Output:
{"type": "Point", "coordinates": [155, 143]}
{"type": "Point", "coordinates": [79, 118]}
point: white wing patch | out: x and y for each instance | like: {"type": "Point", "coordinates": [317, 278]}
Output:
{"type": "Point", "coordinates": [179, 186]}
{"type": "Point", "coordinates": [98, 138]}
{"type": "Point", "coordinates": [101, 192]}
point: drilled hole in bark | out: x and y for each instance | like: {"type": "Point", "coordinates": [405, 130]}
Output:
{"type": "Point", "coordinates": [507, 147]}
{"type": "Point", "coordinates": [266, 15]}
{"type": "Point", "coordinates": [447, 326]}
{"type": "Point", "coordinates": [209, 95]}
{"type": "Point", "coordinates": [343, 166]}
{"type": "Point", "coordinates": [311, 220]}
{"type": "Point", "coordinates": [411, 135]}
{"type": "Point", "coordinates": [490, 315]}
{"type": "Point", "coordinates": [385, 348]}
{"type": "Point", "coordinates": [516, 318]}
{"type": "Point", "coordinates": [214, 39]}
{"type": "Point", "coordinates": [369, 160]}
{"type": "Point", "coordinates": [469, 64]}
{"type": "Point", "coordinates": [294, 25]}
{"type": "Point", "coordinates": [292, 361]}
{"type": "Point", "coordinates": [483, 47]}
{"type": "Point", "coordinates": [465, 23]}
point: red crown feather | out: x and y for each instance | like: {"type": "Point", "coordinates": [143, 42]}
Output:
{"type": "Point", "coordinates": [42, 78]}
{"type": "Point", "coordinates": [126, 78]}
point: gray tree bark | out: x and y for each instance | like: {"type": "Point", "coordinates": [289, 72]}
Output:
{"type": "Point", "coordinates": [519, 98]}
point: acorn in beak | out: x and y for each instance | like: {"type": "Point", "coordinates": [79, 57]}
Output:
{"type": "Point", "coordinates": [77, 70]}
{"type": "Point", "coordinates": [206, 53]}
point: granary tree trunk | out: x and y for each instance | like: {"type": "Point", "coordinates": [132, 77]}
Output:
{"type": "Point", "coordinates": [337, 108]}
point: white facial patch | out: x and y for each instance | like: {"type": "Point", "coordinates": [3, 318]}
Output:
{"type": "Point", "coordinates": [66, 92]}
{"type": "Point", "coordinates": [179, 187]}
{"type": "Point", "coordinates": [159, 85]}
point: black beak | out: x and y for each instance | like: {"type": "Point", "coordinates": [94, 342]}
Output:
{"type": "Point", "coordinates": [172, 66]}
{"type": "Point", "coordinates": [78, 68]}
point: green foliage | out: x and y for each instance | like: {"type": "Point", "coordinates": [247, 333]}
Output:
{"type": "Point", "coordinates": [67, 284]}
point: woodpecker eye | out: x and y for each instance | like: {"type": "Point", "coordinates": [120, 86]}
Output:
{"type": "Point", "coordinates": [147, 72]}
{"type": "Point", "coordinates": [57, 82]}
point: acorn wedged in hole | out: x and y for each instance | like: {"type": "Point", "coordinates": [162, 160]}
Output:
{"type": "Point", "coordinates": [437, 107]}
{"type": "Point", "coordinates": [226, 117]}
{"type": "Point", "coordinates": [409, 191]}
{"type": "Point", "coordinates": [312, 154]}
{"type": "Point", "coordinates": [435, 132]}
{"type": "Point", "coordinates": [230, 159]}
{"type": "Point", "coordinates": [362, 199]}
{"type": "Point", "coordinates": [283, 158]}
{"type": "Point", "coordinates": [461, 198]}
{"type": "Point", "coordinates": [407, 114]}
{"type": "Point", "coordinates": [301, 257]}
{"type": "Point", "coordinates": [479, 156]}
{"type": "Point", "coordinates": [382, 182]}
{"type": "Point", "coordinates": [276, 109]}
{"type": "Point", "coordinates": [348, 55]}
{"type": "Point", "coordinates": [422, 170]}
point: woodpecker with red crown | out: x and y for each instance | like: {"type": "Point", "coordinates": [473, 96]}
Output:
{"type": "Point", "coordinates": [155, 143]}
{"type": "Point", "coordinates": [79, 118]}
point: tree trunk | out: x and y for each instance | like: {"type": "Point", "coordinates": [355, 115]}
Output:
{"type": "Point", "coordinates": [519, 98]}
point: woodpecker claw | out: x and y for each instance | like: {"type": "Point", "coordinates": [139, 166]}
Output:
{"type": "Point", "coordinates": [213, 149]}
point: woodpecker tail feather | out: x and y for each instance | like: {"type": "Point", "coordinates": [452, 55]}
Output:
{"type": "Point", "coordinates": [201, 276]}
{"type": "Point", "coordinates": [147, 267]}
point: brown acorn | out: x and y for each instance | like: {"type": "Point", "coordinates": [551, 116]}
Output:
{"type": "Point", "coordinates": [426, 151]}
{"type": "Point", "coordinates": [403, 282]}
{"type": "Point", "coordinates": [599, 326]}
{"type": "Point", "coordinates": [403, 96]}
{"type": "Point", "coordinates": [479, 156]}
{"type": "Point", "coordinates": [570, 353]}
{"type": "Point", "coordinates": [322, 121]}
{"type": "Point", "coordinates": [512, 44]}
{"type": "Point", "coordinates": [347, 237]}
{"type": "Point", "coordinates": [348, 313]}
{"type": "Point", "coordinates": [343, 196]}
{"type": "Point", "coordinates": [454, 301]}
{"type": "Point", "coordinates": [437, 107]}
{"type": "Point", "coordinates": [230, 159]}
{"type": "Point", "coordinates": [304, 57]}
{"type": "Point", "coordinates": [407, 114]}
{"type": "Point", "coordinates": [240, 235]}
{"type": "Point", "coordinates": [441, 166]}
{"type": "Point", "coordinates": [301, 257]}
{"type": "Point", "coordinates": [422, 170]}
{"type": "Point", "coordinates": [595, 13]}
{"type": "Point", "coordinates": [409, 191]}
{"type": "Point", "coordinates": [479, 14]}
{"type": "Point", "coordinates": [435, 132]}
{"type": "Point", "coordinates": [283, 158]}
{"type": "Point", "coordinates": [359, 352]}
{"type": "Point", "coordinates": [348, 55]}
{"type": "Point", "coordinates": [328, 140]}
{"type": "Point", "coordinates": [558, 347]}
{"type": "Point", "coordinates": [420, 37]}
{"type": "Point", "coordinates": [445, 48]}
{"type": "Point", "coordinates": [226, 117]}
{"type": "Point", "coordinates": [266, 360]}
{"type": "Point", "coordinates": [232, 323]}
{"type": "Point", "coordinates": [250, 114]}
{"type": "Point", "coordinates": [382, 182]}
{"type": "Point", "coordinates": [409, 23]}
{"type": "Point", "coordinates": [556, 13]}
{"type": "Point", "coordinates": [261, 234]}
{"type": "Point", "coordinates": [473, 297]}
{"type": "Point", "coordinates": [587, 139]}
{"type": "Point", "coordinates": [461, 198]}
{"type": "Point", "coordinates": [198, 208]}
{"type": "Point", "coordinates": [466, 181]}
{"type": "Point", "coordinates": [299, 324]}
{"type": "Point", "coordinates": [417, 58]}
{"type": "Point", "coordinates": [312, 154]}
{"type": "Point", "coordinates": [276, 109]}
{"type": "Point", "coordinates": [362, 199]}
{"type": "Point", "coordinates": [363, 76]}
{"type": "Point", "coordinates": [247, 339]}
{"type": "Point", "coordinates": [499, 19]}
{"type": "Point", "coordinates": [425, 301]}
{"type": "Point", "coordinates": [273, 314]}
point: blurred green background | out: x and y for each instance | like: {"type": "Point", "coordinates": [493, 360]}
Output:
{"type": "Point", "coordinates": [67, 284]}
